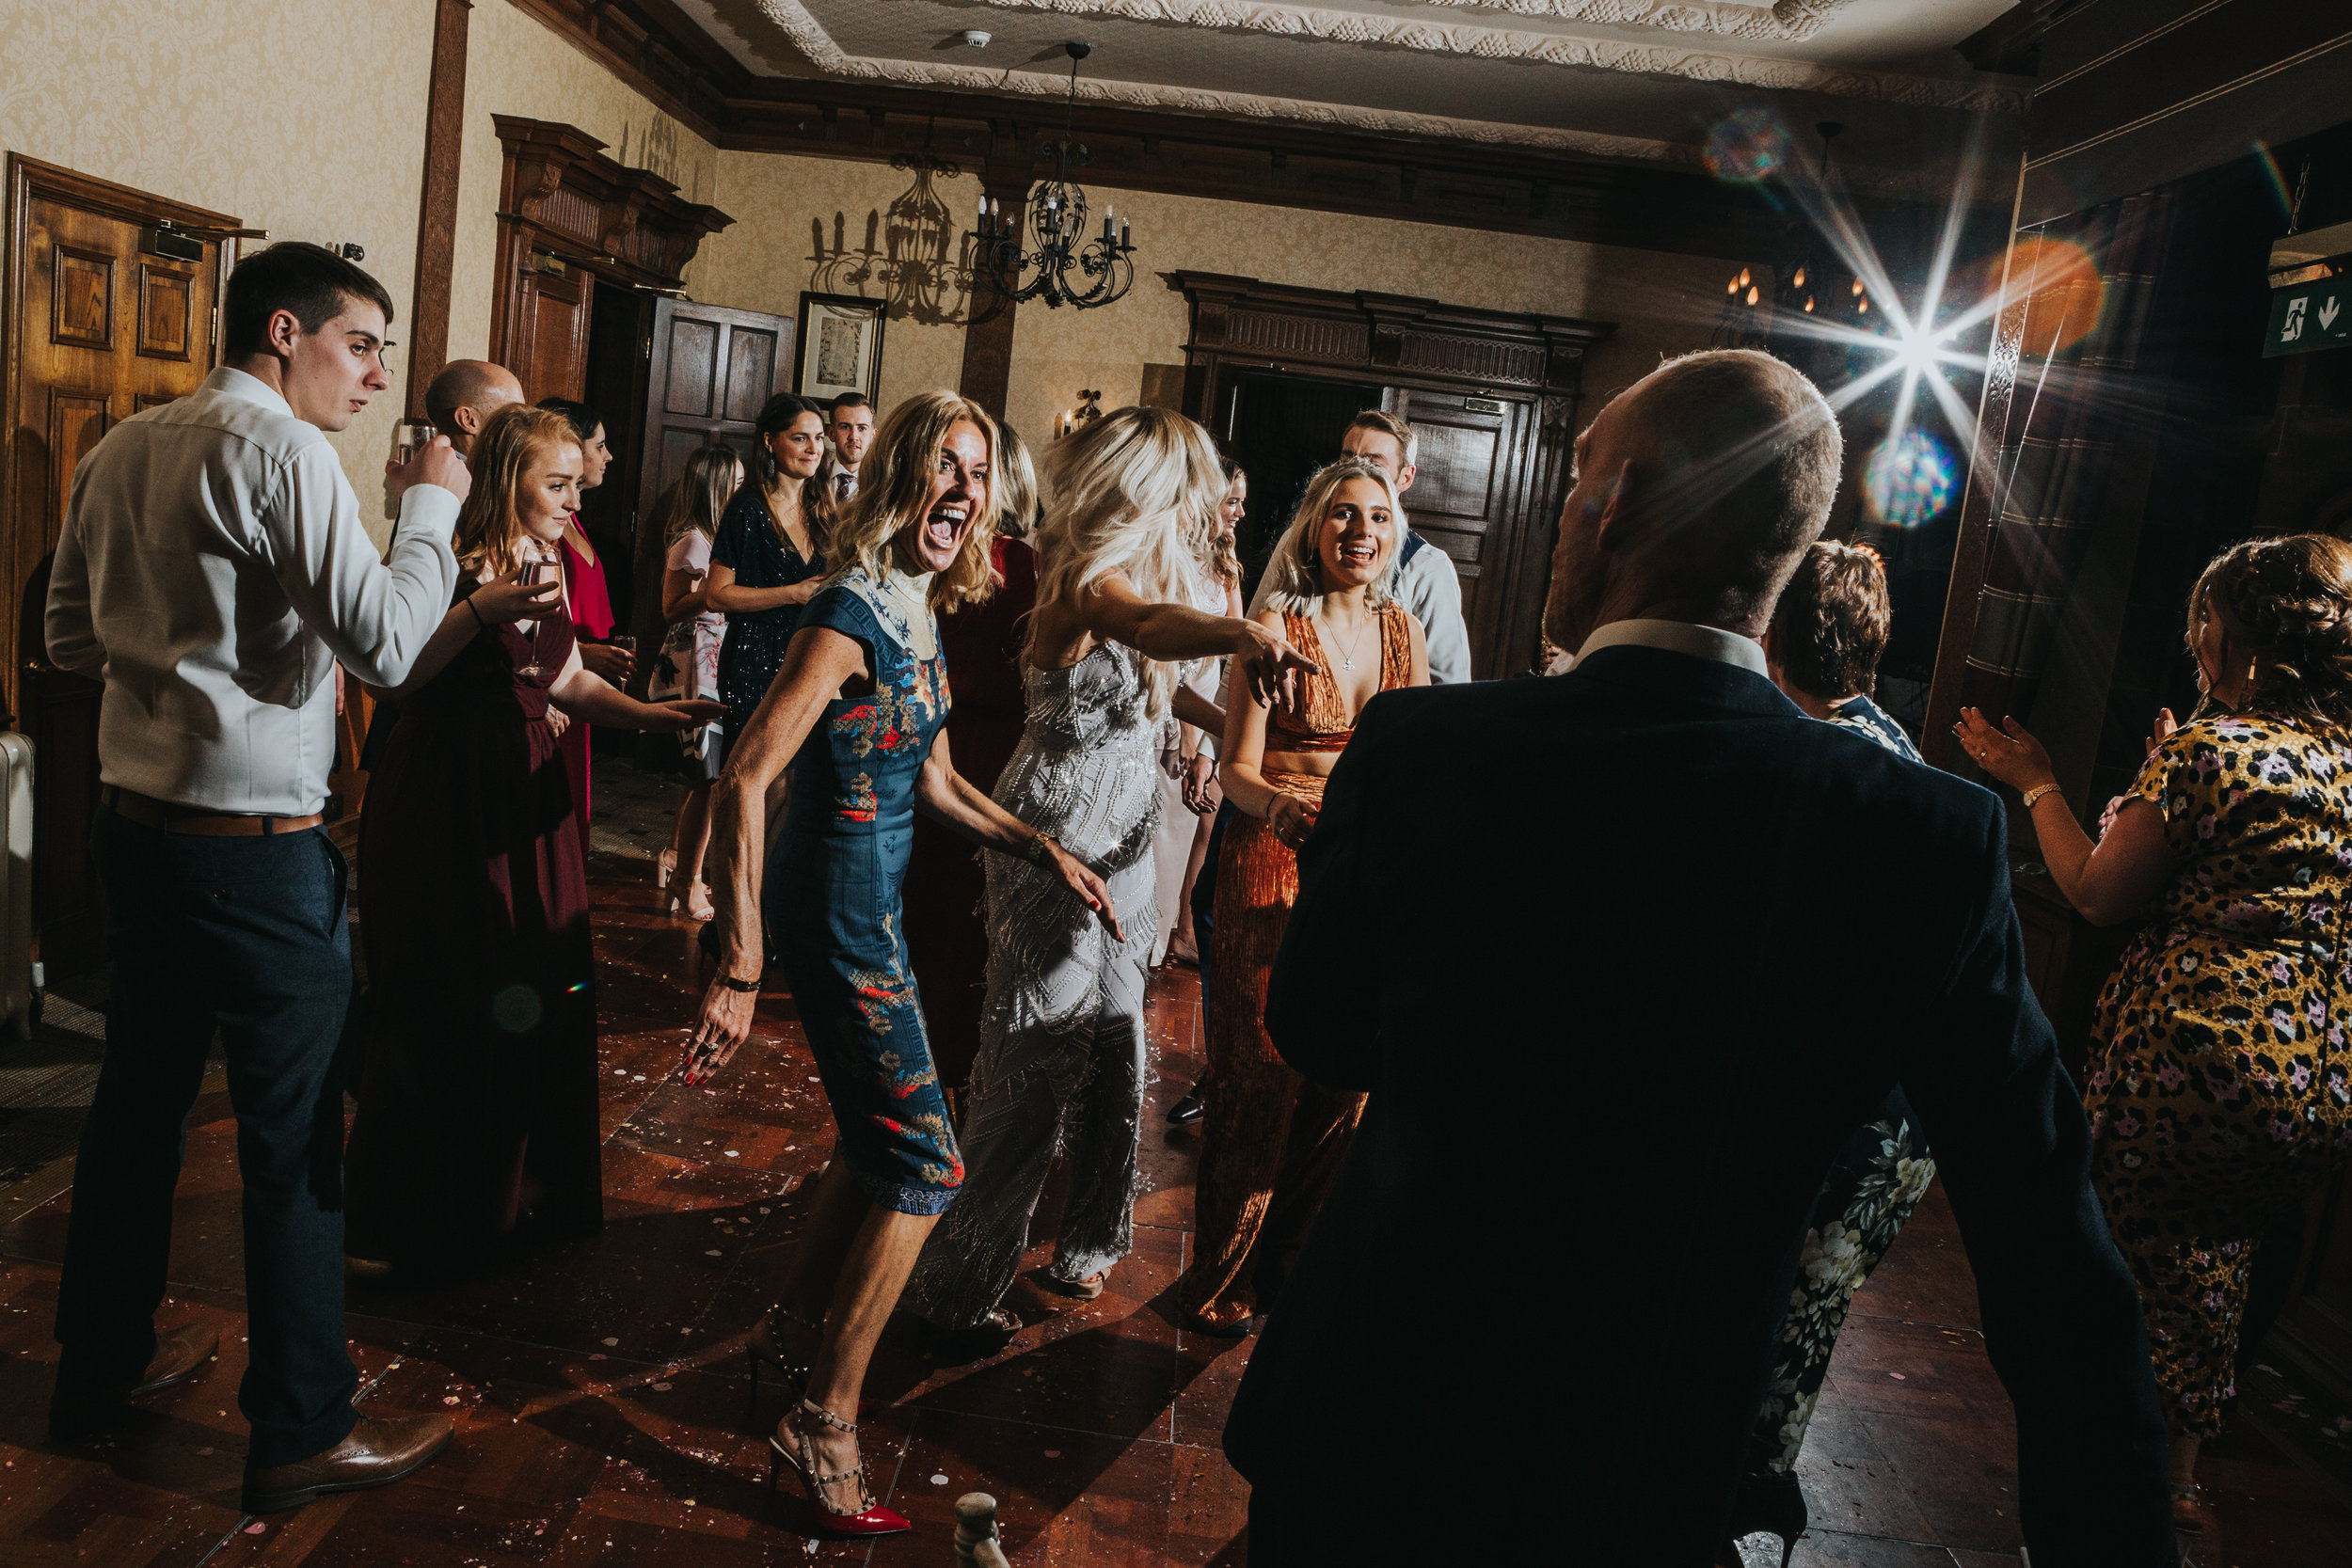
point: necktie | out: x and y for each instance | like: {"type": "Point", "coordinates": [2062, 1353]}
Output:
{"type": "Point", "coordinates": [843, 484]}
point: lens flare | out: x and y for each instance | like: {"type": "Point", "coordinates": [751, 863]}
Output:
{"type": "Point", "coordinates": [1747, 147]}
{"type": "Point", "coordinates": [1909, 479]}
{"type": "Point", "coordinates": [2063, 294]}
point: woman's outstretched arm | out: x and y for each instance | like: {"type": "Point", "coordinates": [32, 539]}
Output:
{"type": "Point", "coordinates": [816, 663]}
{"type": "Point", "coordinates": [948, 796]}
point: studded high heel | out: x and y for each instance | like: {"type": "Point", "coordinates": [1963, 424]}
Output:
{"type": "Point", "coordinates": [762, 1347]}
{"type": "Point", "coordinates": [870, 1519]}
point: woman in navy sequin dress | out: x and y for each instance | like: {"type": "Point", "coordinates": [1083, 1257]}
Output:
{"type": "Point", "coordinates": [857, 711]}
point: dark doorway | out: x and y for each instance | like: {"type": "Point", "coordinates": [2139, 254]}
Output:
{"type": "Point", "coordinates": [620, 328]}
{"type": "Point", "coordinates": [1280, 429]}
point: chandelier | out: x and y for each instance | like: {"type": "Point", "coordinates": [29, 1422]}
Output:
{"type": "Point", "coordinates": [1065, 266]}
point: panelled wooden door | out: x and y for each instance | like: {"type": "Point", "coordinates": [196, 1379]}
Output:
{"type": "Point", "coordinates": [96, 330]}
{"type": "Point", "coordinates": [1468, 476]}
{"type": "Point", "coordinates": [712, 370]}
{"type": "Point", "coordinates": [549, 352]}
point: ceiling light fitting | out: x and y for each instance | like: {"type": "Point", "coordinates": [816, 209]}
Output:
{"type": "Point", "coordinates": [1055, 222]}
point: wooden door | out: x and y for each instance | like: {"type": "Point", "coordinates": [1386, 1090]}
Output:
{"type": "Point", "coordinates": [549, 347]}
{"type": "Point", "coordinates": [712, 370]}
{"type": "Point", "coordinates": [97, 329]}
{"type": "Point", "coordinates": [1468, 501]}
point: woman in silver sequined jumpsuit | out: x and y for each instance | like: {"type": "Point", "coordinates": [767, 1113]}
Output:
{"type": "Point", "coordinates": [1062, 1052]}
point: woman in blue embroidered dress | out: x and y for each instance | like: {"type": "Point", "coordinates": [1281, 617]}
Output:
{"type": "Point", "coordinates": [858, 711]}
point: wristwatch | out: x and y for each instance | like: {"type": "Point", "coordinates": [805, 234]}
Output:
{"type": "Point", "coordinates": [1035, 850]}
{"type": "Point", "coordinates": [748, 986]}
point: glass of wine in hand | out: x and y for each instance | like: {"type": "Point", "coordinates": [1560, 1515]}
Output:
{"type": "Point", "coordinates": [538, 566]}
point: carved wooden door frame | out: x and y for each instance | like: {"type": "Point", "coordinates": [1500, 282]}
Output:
{"type": "Point", "coordinates": [1406, 343]}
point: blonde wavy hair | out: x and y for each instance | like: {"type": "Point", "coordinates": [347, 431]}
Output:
{"type": "Point", "coordinates": [489, 529]}
{"type": "Point", "coordinates": [1297, 564]}
{"type": "Point", "coordinates": [1016, 482]}
{"type": "Point", "coordinates": [895, 488]}
{"type": "Point", "coordinates": [1131, 495]}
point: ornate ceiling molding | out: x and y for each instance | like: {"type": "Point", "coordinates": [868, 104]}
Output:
{"type": "Point", "coordinates": [1789, 19]}
{"type": "Point", "coordinates": [810, 38]}
{"type": "Point", "coordinates": [1559, 49]}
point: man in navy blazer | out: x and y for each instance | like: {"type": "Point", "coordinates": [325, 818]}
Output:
{"type": "Point", "coordinates": [1622, 957]}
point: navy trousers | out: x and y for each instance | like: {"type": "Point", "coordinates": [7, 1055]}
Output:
{"type": "Point", "coordinates": [245, 937]}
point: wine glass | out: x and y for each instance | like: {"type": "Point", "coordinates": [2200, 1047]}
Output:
{"type": "Point", "coordinates": [538, 566]}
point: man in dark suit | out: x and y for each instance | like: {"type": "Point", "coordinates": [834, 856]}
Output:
{"type": "Point", "coordinates": [1622, 957]}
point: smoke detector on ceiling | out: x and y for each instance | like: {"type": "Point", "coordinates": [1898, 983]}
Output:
{"type": "Point", "coordinates": [973, 37]}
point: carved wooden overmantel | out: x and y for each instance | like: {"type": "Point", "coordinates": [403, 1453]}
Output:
{"type": "Point", "coordinates": [567, 215]}
{"type": "Point", "coordinates": [1495, 387]}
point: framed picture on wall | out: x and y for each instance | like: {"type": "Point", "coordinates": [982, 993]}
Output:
{"type": "Point", "coordinates": [840, 346]}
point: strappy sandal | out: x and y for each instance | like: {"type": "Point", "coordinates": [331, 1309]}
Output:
{"type": "Point", "coordinates": [870, 1519]}
{"type": "Point", "coordinates": [762, 1347]}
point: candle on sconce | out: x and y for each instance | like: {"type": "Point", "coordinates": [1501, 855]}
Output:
{"type": "Point", "coordinates": [1124, 231]}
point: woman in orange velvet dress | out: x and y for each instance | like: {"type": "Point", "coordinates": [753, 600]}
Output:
{"type": "Point", "coordinates": [1273, 1142]}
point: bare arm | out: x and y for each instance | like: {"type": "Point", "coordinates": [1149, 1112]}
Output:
{"type": "Point", "coordinates": [817, 662]}
{"type": "Point", "coordinates": [1241, 770]}
{"type": "Point", "coordinates": [494, 604]}
{"type": "Point", "coordinates": [582, 693]}
{"type": "Point", "coordinates": [721, 592]}
{"type": "Point", "coordinates": [1113, 611]}
{"type": "Point", "coordinates": [682, 596]}
{"type": "Point", "coordinates": [2108, 882]}
{"type": "Point", "coordinates": [947, 796]}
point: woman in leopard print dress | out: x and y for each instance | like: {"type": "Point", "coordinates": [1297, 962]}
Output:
{"type": "Point", "coordinates": [2220, 1089]}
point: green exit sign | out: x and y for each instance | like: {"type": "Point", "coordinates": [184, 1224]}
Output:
{"type": "Point", "coordinates": [2310, 316]}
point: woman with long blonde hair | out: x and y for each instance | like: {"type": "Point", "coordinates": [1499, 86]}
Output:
{"type": "Point", "coordinates": [1272, 1141]}
{"type": "Point", "coordinates": [1062, 1048]}
{"type": "Point", "coordinates": [857, 710]}
{"type": "Point", "coordinates": [478, 1105]}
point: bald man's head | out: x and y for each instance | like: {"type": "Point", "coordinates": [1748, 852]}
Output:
{"type": "Point", "coordinates": [464, 396]}
{"type": "Point", "coordinates": [1696, 491]}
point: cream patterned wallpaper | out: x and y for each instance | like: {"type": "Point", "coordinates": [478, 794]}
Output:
{"type": "Point", "coordinates": [1661, 304]}
{"type": "Point", "coordinates": [235, 106]}
{"type": "Point", "coordinates": [515, 66]}
{"type": "Point", "coordinates": [769, 256]}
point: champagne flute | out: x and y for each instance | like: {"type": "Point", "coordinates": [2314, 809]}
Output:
{"type": "Point", "coordinates": [538, 567]}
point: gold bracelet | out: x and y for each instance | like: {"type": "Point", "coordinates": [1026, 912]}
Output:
{"type": "Point", "coordinates": [2036, 794]}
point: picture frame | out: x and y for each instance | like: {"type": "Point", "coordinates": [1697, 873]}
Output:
{"type": "Point", "coordinates": [839, 345]}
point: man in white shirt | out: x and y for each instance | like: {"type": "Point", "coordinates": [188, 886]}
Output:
{"type": "Point", "coordinates": [850, 423]}
{"type": "Point", "coordinates": [212, 571]}
{"type": "Point", "coordinates": [1426, 582]}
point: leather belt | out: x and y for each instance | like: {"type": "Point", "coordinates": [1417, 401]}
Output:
{"type": "Point", "coordinates": [149, 812]}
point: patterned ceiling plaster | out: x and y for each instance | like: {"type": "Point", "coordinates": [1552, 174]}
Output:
{"type": "Point", "coordinates": [1470, 39]}
{"type": "Point", "coordinates": [813, 42]}
{"type": "Point", "coordinates": [1789, 19]}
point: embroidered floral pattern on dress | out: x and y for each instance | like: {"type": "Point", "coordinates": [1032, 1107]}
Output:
{"type": "Point", "coordinates": [2217, 1086]}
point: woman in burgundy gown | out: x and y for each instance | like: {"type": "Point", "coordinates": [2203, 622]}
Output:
{"type": "Point", "coordinates": [981, 642]}
{"type": "Point", "coordinates": [478, 1101]}
{"type": "Point", "coordinates": [588, 598]}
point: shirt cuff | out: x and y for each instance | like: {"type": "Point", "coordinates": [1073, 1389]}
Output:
{"type": "Point", "coordinates": [430, 508]}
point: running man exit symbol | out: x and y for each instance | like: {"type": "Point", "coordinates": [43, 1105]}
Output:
{"type": "Point", "coordinates": [2309, 317]}
{"type": "Point", "coordinates": [2294, 327]}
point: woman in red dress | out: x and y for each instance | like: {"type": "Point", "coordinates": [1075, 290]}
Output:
{"type": "Point", "coordinates": [589, 599]}
{"type": "Point", "coordinates": [478, 1102]}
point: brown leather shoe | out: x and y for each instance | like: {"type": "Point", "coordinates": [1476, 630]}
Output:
{"type": "Point", "coordinates": [78, 1415]}
{"type": "Point", "coordinates": [380, 1451]}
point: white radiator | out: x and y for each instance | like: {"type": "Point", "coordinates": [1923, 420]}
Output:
{"type": "Point", "coordinates": [16, 883]}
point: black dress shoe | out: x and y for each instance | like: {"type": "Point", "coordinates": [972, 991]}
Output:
{"type": "Point", "coordinates": [78, 1415]}
{"type": "Point", "coordinates": [1187, 1110]}
{"type": "Point", "coordinates": [380, 1451]}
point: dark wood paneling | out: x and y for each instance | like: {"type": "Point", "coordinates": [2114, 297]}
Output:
{"type": "Point", "coordinates": [1492, 394]}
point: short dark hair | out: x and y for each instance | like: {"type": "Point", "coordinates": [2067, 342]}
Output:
{"type": "Point", "coordinates": [847, 399]}
{"type": "Point", "coordinates": [1830, 627]}
{"type": "Point", "coordinates": [293, 275]}
{"type": "Point", "coordinates": [585, 422]}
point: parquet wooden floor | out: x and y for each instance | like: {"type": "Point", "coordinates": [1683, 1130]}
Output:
{"type": "Point", "coordinates": [601, 1392]}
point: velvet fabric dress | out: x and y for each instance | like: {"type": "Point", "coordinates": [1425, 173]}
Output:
{"type": "Point", "coordinates": [590, 604]}
{"type": "Point", "coordinates": [1272, 1142]}
{"type": "Point", "coordinates": [945, 935]}
{"type": "Point", "coordinates": [478, 1099]}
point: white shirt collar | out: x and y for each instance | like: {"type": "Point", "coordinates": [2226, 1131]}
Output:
{"type": "Point", "coordinates": [1679, 637]}
{"type": "Point", "coordinates": [246, 387]}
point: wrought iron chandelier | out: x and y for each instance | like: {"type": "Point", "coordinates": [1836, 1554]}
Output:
{"type": "Point", "coordinates": [1055, 222]}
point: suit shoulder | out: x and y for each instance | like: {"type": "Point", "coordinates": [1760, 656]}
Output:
{"type": "Point", "coordinates": [1873, 774]}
